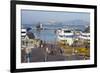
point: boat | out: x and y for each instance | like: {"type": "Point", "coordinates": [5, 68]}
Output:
{"type": "Point", "coordinates": [65, 35]}
{"type": "Point", "coordinates": [85, 36]}
{"type": "Point", "coordinates": [69, 36]}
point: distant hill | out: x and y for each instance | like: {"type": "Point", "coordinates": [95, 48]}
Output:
{"type": "Point", "coordinates": [77, 22]}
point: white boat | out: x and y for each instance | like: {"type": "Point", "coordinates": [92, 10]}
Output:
{"type": "Point", "coordinates": [65, 35]}
{"type": "Point", "coordinates": [85, 36]}
{"type": "Point", "coordinates": [68, 35]}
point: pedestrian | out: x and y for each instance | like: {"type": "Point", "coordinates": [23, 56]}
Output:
{"type": "Point", "coordinates": [61, 51]}
{"type": "Point", "coordinates": [28, 54]}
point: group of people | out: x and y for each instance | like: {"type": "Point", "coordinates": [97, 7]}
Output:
{"type": "Point", "coordinates": [52, 49]}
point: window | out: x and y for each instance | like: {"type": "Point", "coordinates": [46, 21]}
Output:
{"type": "Point", "coordinates": [67, 31]}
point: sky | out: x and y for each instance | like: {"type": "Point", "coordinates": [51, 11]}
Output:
{"type": "Point", "coordinates": [34, 17]}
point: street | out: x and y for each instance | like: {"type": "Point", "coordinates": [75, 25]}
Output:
{"type": "Point", "coordinates": [53, 54]}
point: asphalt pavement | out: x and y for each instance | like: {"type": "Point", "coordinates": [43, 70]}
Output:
{"type": "Point", "coordinates": [55, 54]}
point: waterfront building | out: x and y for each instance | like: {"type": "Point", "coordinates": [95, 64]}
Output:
{"type": "Point", "coordinates": [28, 40]}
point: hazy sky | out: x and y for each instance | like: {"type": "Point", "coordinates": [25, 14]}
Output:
{"type": "Point", "coordinates": [33, 17]}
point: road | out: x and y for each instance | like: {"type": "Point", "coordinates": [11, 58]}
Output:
{"type": "Point", "coordinates": [40, 55]}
